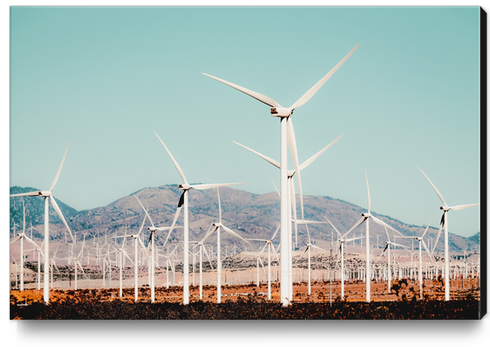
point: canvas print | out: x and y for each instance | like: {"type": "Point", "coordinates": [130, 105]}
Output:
{"type": "Point", "coordinates": [155, 171]}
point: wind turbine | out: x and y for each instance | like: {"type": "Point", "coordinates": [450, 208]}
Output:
{"type": "Point", "coordinates": [421, 241]}
{"type": "Point", "coordinates": [341, 240]}
{"type": "Point", "coordinates": [287, 137]}
{"type": "Point", "coordinates": [201, 248]}
{"type": "Point", "coordinates": [184, 201]}
{"type": "Point", "coordinates": [216, 228]}
{"type": "Point", "coordinates": [48, 195]}
{"type": "Point", "coordinates": [137, 239]}
{"type": "Point", "coordinates": [444, 223]}
{"type": "Point", "coordinates": [388, 246]}
{"type": "Point", "coordinates": [365, 218]}
{"type": "Point", "coordinates": [152, 230]}
{"type": "Point", "coordinates": [269, 245]}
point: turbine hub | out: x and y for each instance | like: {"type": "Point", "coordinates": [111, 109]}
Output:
{"type": "Point", "coordinates": [445, 208]}
{"type": "Point", "coordinates": [367, 214]}
{"type": "Point", "coordinates": [185, 186]}
{"type": "Point", "coordinates": [281, 112]}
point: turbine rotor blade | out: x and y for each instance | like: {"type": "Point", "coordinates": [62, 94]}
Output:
{"type": "Point", "coordinates": [27, 194]}
{"type": "Point", "coordinates": [380, 222]}
{"type": "Point", "coordinates": [179, 169]}
{"type": "Point", "coordinates": [438, 234]}
{"type": "Point", "coordinates": [313, 158]}
{"type": "Point", "coordinates": [266, 158]}
{"type": "Point", "coordinates": [427, 225]}
{"type": "Point", "coordinates": [173, 223]}
{"type": "Point", "coordinates": [214, 185]}
{"type": "Point", "coordinates": [234, 233]}
{"type": "Point", "coordinates": [334, 228]}
{"type": "Point", "coordinates": [301, 101]}
{"type": "Point", "coordinates": [359, 222]}
{"type": "Point", "coordinates": [294, 153]}
{"type": "Point", "coordinates": [262, 98]}
{"type": "Point", "coordinates": [369, 195]}
{"type": "Point", "coordinates": [58, 211]}
{"type": "Point", "coordinates": [59, 169]}
{"type": "Point", "coordinates": [146, 212]}
{"type": "Point", "coordinates": [462, 207]}
{"type": "Point", "coordinates": [433, 186]}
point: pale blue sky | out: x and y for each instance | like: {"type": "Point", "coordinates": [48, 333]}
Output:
{"type": "Point", "coordinates": [106, 78]}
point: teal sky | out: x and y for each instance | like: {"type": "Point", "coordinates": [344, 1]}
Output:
{"type": "Point", "coordinates": [106, 78]}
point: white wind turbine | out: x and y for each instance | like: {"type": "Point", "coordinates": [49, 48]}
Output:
{"type": "Point", "coordinates": [388, 247]}
{"type": "Point", "coordinates": [341, 240]}
{"type": "Point", "coordinates": [421, 241]}
{"type": "Point", "coordinates": [152, 230]}
{"type": "Point", "coordinates": [137, 239]}
{"type": "Point", "coordinates": [122, 252]}
{"type": "Point", "coordinates": [444, 223]}
{"type": "Point", "coordinates": [48, 194]}
{"type": "Point", "coordinates": [269, 245]}
{"type": "Point", "coordinates": [201, 248]}
{"type": "Point", "coordinates": [287, 137]}
{"type": "Point", "coordinates": [365, 218]}
{"type": "Point", "coordinates": [184, 201]}
{"type": "Point", "coordinates": [20, 237]}
{"type": "Point", "coordinates": [216, 228]}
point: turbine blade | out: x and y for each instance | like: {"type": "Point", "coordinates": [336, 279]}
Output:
{"type": "Point", "coordinates": [313, 158]}
{"type": "Point", "coordinates": [355, 238]}
{"type": "Point", "coordinates": [58, 211]}
{"type": "Point", "coordinates": [146, 212]}
{"type": "Point", "coordinates": [321, 249]}
{"type": "Point", "coordinates": [462, 207]}
{"type": "Point", "coordinates": [214, 185]}
{"type": "Point", "coordinates": [277, 190]}
{"type": "Point", "coordinates": [380, 222]}
{"type": "Point", "coordinates": [181, 173]}
{"type": "Point", "coordinates": [142, 224]}
{"type": "Point", "coordinates": [207, 255]}
{"type": "Point", "coordinates": [433, 186]}
{"type": "Point", "coordinates": [428, 225]}
{"type": "Point", "coordinates": [17, 238]}
{"type": "Point", "coordinates": [277, 229]}
{"type": "Point", "coordinates": [359, 222]}
{"type": "Point", "coordinates": [173, 224]}
{"type": "Point", "coordinates": [262, 98]}
{"type": "Point", "coordinates": [369, 195]}
{"type": "Point", "coordinates": [219, 205]}
{"type": "Point", "coordinates": [427, 250]}
{"type": "Point", "coordinates": [234, 233]}
{"type": "Point", "coordinates": [384, 249]}
{"type": "Point", "coordinates": [301, 101]}
{"type": "Point", "coordinates": [334, 228]}
{"type": "Point", "coordinates": [294, 154]}
{"type": "Point", "coordinates": [438, 234]}
{"type": "Point", "coordinates": [59, 169]}
{"type": "Point", "coordinates": [295, 212]}
{"type": "Point", "coordinates": [27, 194]}
{"type": "Point", "coordinates": [266, 158]}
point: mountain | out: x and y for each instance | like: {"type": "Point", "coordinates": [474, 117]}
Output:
{"type": "Point", "coordinates": [250, 215]}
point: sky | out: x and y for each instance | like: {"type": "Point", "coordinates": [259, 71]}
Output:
{"type": "Point", "coordinates": [105, 79]}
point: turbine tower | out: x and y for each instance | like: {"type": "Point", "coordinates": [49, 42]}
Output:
{"type": "Point", "coordinates": [287, 138]}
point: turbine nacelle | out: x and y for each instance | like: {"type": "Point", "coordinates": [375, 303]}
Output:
{"type": "Point", "coordinates": [281, 112]}
{"type": "Point", "coordinates": [445, 208]}
{"type": "Point", "coordinates": [217, 224]}
{"type": "Point", "coordinates": [367, 215]}
{"type": "Point", "coordinates": [185, 186]}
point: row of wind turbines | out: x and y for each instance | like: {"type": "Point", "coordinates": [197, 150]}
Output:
{"type": "Point", "coordinates": [287, 204]}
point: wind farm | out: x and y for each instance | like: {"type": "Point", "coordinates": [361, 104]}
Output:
{"type": "Point", "coordinates": [327, 237]}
